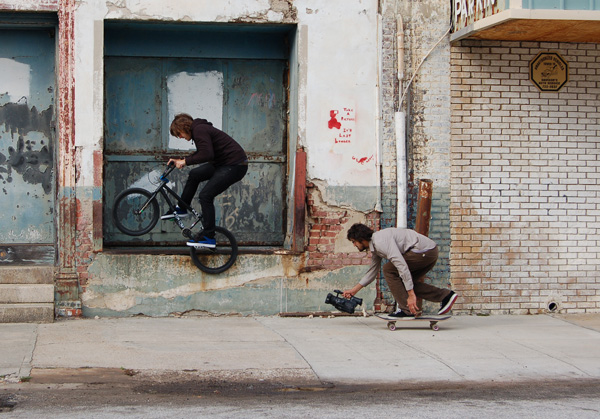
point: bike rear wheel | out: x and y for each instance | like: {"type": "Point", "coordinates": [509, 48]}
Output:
{"type": "Point", "coordinates": [127, 213]}
{"type": "Point", "coordinates": [219, 259]}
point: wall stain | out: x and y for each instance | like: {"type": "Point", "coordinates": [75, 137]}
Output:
{"type": "Point", "coordinates": [34, 165]}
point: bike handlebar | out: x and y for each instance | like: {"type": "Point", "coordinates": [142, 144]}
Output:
{"type": "Point", "coordinates": [168, 170]}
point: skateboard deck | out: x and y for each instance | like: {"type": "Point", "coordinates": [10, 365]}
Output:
{"type": "Point", "coordinates": [432, 319]}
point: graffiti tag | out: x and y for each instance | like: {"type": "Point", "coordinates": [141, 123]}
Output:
{"type": "Point", "coordinates": [362, 160]}
{"type": "Point", "coordinates": [342, 121]}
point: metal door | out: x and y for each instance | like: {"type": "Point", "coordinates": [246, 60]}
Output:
{"type": "Point", "coordinates": [27, 164]}
{"type": "Point", "coordinates": [245, 98]}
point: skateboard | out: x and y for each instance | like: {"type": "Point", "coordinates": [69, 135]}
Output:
{"type": "Point", "coordinates": [432, 319]}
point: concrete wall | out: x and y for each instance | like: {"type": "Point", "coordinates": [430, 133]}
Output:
{"type": "Point", "coordinates": [337, 71]}
{"type": "Point", "coordinates": [344, 94]}
{"type": "Point", "coordinates": [341, 136]}
{"type": "Point", "coordinates": [525, 191]}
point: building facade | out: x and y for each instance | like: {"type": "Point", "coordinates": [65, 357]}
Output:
{"type": "Point", "coordinates": [343, 107]}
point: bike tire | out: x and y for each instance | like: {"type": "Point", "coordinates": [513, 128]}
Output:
{"type": "Point", "coordinates": [214, 261]}
{"type": "Point", "coordinates": [125, 213]}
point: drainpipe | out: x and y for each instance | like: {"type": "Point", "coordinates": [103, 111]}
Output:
{"type": "Point", "coordinates": [400, 127]}
{"type": "Point", "coordinates": [378, 206]}
{"type": "Point", "coordinates": [401, 189]}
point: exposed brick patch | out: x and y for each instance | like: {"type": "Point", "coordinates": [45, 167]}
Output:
{"type": "Point", "coordinates": [326, 226]}
{"type": "Point", "coordinates": [84, 244]}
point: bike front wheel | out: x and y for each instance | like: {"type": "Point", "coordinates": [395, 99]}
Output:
{"type": "Point", "coordinates": [219, 259]}
{"type": "Point", "coordinates": [135, 211]}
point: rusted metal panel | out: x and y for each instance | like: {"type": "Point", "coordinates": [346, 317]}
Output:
{"type": "Point", "coordinates": [424, 206]}
{"type": "Point", "coordinates": [256, 106]}
{"type": "Point", "coordinates": [299, 201]}
{"type": "Point", "coordinates": [27, 143]}
{"type": "Point", "coordinates": [197, 40]}
{"type": "Point", "coordinates": [248, 208]}
{"type": "Point", "coordinates": [423, 215]}
{"type": "Point", "coordinates": [30, 254]}
{"type": "Point", "coordinates": [134, 105]}
{"type": "Point", "coordinates": [253, 111]}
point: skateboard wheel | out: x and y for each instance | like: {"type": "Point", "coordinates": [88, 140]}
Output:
{"type": "Point", "coordinates": [434, 326]}
{"type": "Point", "coordinates": [391, 326]}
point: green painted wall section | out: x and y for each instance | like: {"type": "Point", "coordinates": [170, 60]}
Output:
{"type": "Point", "coordinates": [163, 285]}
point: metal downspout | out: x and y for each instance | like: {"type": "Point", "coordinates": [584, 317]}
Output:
{"type": "Point", "coordinates": [400, 128]}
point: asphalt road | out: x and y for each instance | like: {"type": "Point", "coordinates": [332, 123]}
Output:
{"type": "Point", "coordinates": [178, 397]}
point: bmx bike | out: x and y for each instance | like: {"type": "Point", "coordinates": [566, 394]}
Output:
{"type": "Point", "coordinates": [136, 212]}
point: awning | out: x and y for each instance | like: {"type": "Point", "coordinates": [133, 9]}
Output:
{"type": "Point", "coordinates": [535, 25]}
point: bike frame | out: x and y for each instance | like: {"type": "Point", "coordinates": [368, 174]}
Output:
{"type": "Point", "coordinates": [164, 190]}
{"type": "Point", "coordinates": [224, 256]}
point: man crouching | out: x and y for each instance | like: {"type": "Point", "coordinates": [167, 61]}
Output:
{"type": "Point", "coordinates": [411, 255]}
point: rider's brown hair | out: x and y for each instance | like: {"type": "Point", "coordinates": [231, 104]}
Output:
{"type": "Point", "coordinates": [182, 124]}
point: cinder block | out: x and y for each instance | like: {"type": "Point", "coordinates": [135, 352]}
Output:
{"type": "Point", "coordinates": [26, 275]}
{"type": "Point", "coordinates": [27, 313]}
{"type": "Point", "coordinates": [26, 293]}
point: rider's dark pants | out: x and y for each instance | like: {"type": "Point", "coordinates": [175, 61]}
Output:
{"type": "Point", "coordinates": [219, 179]}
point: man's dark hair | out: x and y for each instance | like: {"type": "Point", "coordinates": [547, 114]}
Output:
{"type": "Point", "coordinates": [360, 232]}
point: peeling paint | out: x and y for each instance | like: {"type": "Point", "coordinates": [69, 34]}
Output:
{"type": "Point", "coordinates": [27, 162]}
{"type": "Point", "coordinates": [28, 5]}
{"type": "Point", "coordinates": [257, 284]}
{"type": "Point", "coordinates": [33, 161]}
{"type": "Point", "coordinates": [342, 244]}
{"type": "Point", "coordinates": [355, 198]}
{"type": "Point", "coordinates": [280, 11]}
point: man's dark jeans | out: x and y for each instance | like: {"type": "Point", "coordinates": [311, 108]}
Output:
{"type": "Point", "coordinates": [219, 179]}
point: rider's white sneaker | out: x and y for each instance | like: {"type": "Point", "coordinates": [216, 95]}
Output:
{"type": "Point", "coordinates": [169, 215]}
{"type": "Point", "coordinates": [203, 242]}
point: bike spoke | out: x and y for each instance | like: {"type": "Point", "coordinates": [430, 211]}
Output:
{"type": "Point", "coordinates": [134, 212]}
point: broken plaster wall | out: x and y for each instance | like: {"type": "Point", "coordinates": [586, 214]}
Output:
{"type": "Point", "coordinates": [256, 284]}
{"type": "Point", "coordinates": [337, 61]}
{"type": "Point", "coordinates": [30, 6]}
{"type": "Point", "coordinates": [341, 126]}
{"type": "Point", "coordinates": [341, 132]}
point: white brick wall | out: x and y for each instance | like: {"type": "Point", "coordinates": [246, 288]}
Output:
{"type": "Point", "coordinates": [525, 189]}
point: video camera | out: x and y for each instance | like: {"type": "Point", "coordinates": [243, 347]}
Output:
{"type": "Point", "coordinates": [341, 303]}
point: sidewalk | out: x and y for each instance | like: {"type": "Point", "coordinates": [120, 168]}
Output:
{"type": "Point", "coordinates": [312, 350]}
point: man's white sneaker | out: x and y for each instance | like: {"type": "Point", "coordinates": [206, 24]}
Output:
{"type": "Point", "coordinates": [448, 302]}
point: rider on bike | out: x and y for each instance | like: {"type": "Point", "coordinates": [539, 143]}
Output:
{"type": "Point", "coordinates": [224, 163]}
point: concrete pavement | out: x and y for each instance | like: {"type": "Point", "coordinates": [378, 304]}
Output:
{"type": "Point", "coordinates": [311, 351]}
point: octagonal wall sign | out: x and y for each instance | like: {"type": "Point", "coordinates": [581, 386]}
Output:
{"type": "Point", "coordinates": [549, 71]}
